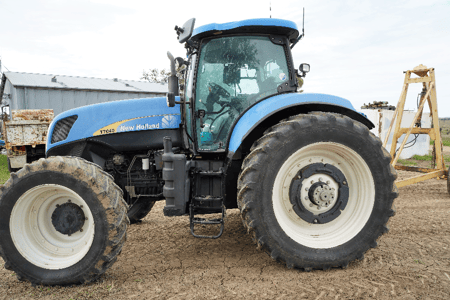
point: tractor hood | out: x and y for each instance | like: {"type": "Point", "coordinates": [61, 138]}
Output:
{"type": "Point", "coordinates": [112, 118]}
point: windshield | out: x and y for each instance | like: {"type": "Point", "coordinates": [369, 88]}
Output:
{"type": "Point", "coordinates": [233, 73]}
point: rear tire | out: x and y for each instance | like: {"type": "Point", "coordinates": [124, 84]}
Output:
{"type": "Point", "coordinates": [63, 221]}
{"type": "Point", "coordinates": [329, 194]}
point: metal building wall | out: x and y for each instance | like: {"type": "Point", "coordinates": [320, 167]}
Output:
{"type": "Point", "coordinates": [61, 100]}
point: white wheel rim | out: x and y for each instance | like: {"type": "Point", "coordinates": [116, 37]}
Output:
{"type": "Point", "coordinates": [351, 220]}
{"type": "Point", "coordinates": [34, 235]}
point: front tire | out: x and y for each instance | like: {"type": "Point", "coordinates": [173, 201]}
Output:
{"type": "Point", "coordinates": [63, 221]}
{"type": "Point", "coordinates": [329, 194]}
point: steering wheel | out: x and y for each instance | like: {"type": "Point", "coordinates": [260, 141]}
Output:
{"type": "Point", "coordinates": [218, 90]}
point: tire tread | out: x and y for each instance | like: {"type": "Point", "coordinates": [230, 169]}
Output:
{"type": "Point", "coordinates": [253, 165]}
{"type": "Point", "coordinates": [110, 195]}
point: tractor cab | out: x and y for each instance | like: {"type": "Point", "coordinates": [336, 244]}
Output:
{"type": "Point", "coordinates": [231, 67]}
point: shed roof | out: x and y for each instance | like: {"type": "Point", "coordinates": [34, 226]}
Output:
{"type": "Point", "coordinates": [19, 79]}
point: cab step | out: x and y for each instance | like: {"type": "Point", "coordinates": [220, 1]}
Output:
{"type": "Point", "coordinates": [198, 206]}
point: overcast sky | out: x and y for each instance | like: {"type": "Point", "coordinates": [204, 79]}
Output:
{"type": "Point", "coordinates": [357, 49]}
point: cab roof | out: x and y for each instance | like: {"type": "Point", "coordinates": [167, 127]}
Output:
{"type": "Point", "coordinates": [270, 26]}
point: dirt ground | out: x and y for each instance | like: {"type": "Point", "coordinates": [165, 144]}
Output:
{"type": "Point", "coordinates": [161, 260]}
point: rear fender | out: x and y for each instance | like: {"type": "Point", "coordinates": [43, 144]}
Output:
{"type": "Point", "coordinates": [251, 125]}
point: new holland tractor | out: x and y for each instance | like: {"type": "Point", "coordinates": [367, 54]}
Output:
{"type": "Point", "coordinates": [314, 187]}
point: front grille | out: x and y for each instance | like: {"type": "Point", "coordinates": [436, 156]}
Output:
{"type": "Point", "coordinates": [62, 129]}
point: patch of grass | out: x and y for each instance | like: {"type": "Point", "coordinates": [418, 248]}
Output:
{"type": "Point", "coordinates": [445, 141]}
{"type": "Point", "coordinates": [4, 173]}
{"type": "Point", "coordinates": [428, 157]}
{"type": "Point", "coordinates": [407, 162]}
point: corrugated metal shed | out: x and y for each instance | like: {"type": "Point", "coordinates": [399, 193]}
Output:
{"type": "Point", "coordinates": [61, 93]}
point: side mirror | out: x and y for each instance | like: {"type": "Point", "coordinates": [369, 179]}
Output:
{"type": "Point", "coordinates": [185, 32]}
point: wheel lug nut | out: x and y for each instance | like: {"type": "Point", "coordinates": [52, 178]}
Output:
{"type": "Point", "coordinates": [306, 188]}
{"type": "Point", "coordinates": [320, 178]}
{"type": "Point", "coordinates": [318, 207]}
{"type": "Point", "coordinates": [312, 181]}
{"type": "Point", "coordinates": [81, 230]}
{"type": "Point", "coordinates": [328, 182]}
{"type": "Point", "coordinates": [306, 198]}
{"type": "Point", "coordinates": [311, 205]}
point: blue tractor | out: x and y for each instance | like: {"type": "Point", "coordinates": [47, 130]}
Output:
{"type": "Point", "coordinates": [314, 186]}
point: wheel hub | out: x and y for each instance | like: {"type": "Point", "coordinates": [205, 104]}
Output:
{"type": "Point", "coordinates": [319, 193]}
{"type": "Point", "coordinates": [68, 218]}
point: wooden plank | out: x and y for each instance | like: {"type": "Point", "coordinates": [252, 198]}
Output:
{"type": "Point", "coordinates": [420, 79]}
{"type": "Point", "coordinates": [420, 178]}
{"type": "Point", "coordinates": [440, 163]}
{"type": "Point", "coordinates": [429, 131]}
{"type": "Point", "coordinates": [415, 169]}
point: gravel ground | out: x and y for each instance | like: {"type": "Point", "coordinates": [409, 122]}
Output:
{"type": "Point", "coordinates": [161, 260]}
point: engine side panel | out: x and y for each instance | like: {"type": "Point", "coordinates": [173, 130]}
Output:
{"type": "Point", "coordinates": [121, 142]}
{"type": "Point", "coordinates": [112, 118]}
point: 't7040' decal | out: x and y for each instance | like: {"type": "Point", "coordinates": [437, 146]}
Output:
{"type": "Point", "coordinates": [106, 131]}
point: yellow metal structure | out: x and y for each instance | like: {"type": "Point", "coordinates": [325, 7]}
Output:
{"type": "Point", "coordinates": [427, 78]}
